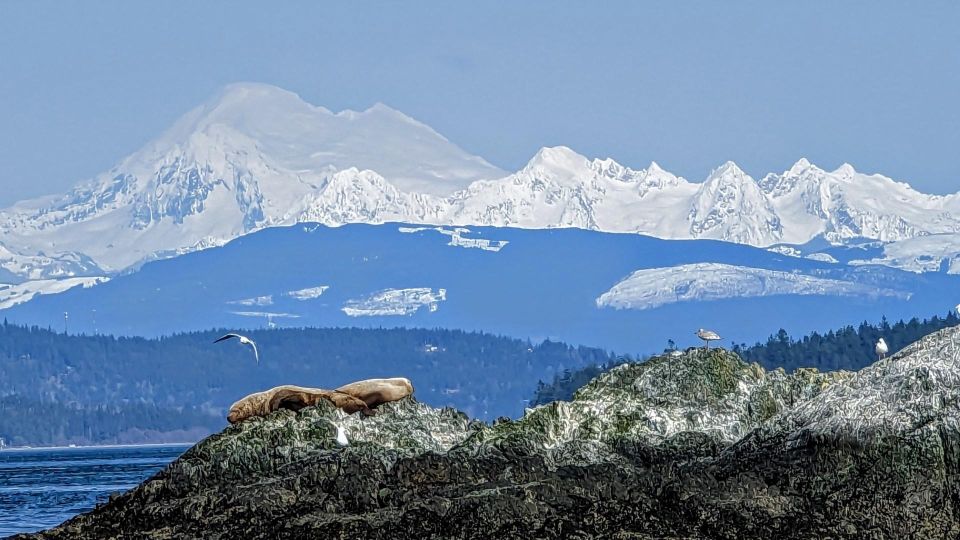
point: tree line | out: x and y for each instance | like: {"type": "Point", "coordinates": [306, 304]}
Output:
{"type": "Point", "coordinates": [57, 388]}
{"type": "Point", "coordinates": [848, 348]}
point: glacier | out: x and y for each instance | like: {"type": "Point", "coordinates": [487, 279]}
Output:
{"type": "Point", "coordinates": [266, 300]}
{"type": "Point", "coordinates": [309, 293]}
{"type": "Point", "coordinates": [458, 239]}
{"type": "Point", "coordinates": [651, 288]}
{"type": "Point", "coordinates": [395, 302]}
{"type": "Point", "coordinates": [13, 294]}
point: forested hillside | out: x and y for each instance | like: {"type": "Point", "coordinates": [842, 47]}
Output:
{"type": "Point", "coordinates": [849, 348]}
{"type": "Point", "coordinates": [57, 388]}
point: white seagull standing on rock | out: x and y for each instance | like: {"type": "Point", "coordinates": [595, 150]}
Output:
{"type": "Point", "coordinates": [244, 340]}
{"type": "Point", "coordinates": [881, 349]}
{"type": "Point", "coordinates": [341, 436]}
{"type": "Point", "coordinates": [707, 336]}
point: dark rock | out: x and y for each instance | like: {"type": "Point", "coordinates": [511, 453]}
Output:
{"type": "Point", "coordinates": [699, 446]}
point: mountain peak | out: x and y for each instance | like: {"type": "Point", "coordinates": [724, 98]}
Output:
{"type": "Point", "coordinates": [261, 120]}
{"type": "Point", "coordinates": [557, 157]}
{"type": "Point", "coordinates": [248, 97]}
{"type": "Point", "coordinates": [381, 107]}
{"type": "Point", "coordinates": [239, 90]}
{"type": "Point", "coordinates": [801, 165]}
{"type": "Point", "coordinates": [845, 170]}
{"type": "Point", "coordinates": [729, 171]}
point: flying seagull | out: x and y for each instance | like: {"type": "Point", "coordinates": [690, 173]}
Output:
{"type": "Point", "coordinates": [881, 349]}
{"type": "Point", "coordinates": [244, 340]}
{"type": "Point", "coordinates": [707, 336]}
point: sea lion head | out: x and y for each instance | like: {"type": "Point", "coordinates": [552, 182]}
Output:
{"type": "Point", "coordinates": [236, 414]}
{"type": "Point", "coordinates": [252, 405]}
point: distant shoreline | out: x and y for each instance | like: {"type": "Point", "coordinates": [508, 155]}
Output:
{"type": "Point", "coordinates": [89, 446]}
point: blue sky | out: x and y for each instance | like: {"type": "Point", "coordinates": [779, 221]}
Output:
{"type": "Point", "coordinates": [690, 86]}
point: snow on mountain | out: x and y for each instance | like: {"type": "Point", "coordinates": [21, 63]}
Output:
{"type": "Point", "coordinates": [18, 267]}
{"type": "Point", "coordinates": [354, 196]}
{"type": "Point", "coordinates": [458, 238]}
{"type": "Point", "coordinates": [730, 206]}
{"type": "Point", "coordinates": [560, 188]}
{"type": "Point", "coordinates": [845, 204]}
{"type": "Point", "coordinates": [310, 293]}
{"type": "Point", "coordinates": [11, 295]}
{"type": "Point", "coordinates": [268, 316]}
{"type": "Point", "coordinates": [252, 157]}
{"type": "Point", "coordinates": [927, 253]}
{"type": "Point", "coordinates": [395, 302]}
{"type": "Point", "coordinates": [257, 156]}
{"type": "Point", "coordinates": [654, 287]}
{"type": "Point", "coordinates": [822, 257]}
{"type": "Point", "coordinates": [266, 300]}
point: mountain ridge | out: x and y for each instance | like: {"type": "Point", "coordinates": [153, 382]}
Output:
{"type": "Point", "coordinates": [257, 156]}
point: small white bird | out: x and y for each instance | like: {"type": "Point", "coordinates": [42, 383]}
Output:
{"type": "Point", "coordinates": [244, 340]}
{"type": "Point", "coordinates": [341, 436]}
{"type": "Point", "coordinates": [707, 336]}
{"type": "Point", "coordinates": [674, 353]}
{"type": "Point", "coordinates": [881, 349]}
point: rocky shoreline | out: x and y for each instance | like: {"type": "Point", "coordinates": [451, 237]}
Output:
{"type": "Point", "coordinates": [702, 445]}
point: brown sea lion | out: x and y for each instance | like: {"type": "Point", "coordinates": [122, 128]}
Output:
{"type": "Point", "coordinates": [373, 392]}
{"type": "Point", "coordinates": [360, 396]}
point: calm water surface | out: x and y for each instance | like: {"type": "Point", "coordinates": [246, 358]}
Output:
{"type": "Point", "coordinates": [40, 488]}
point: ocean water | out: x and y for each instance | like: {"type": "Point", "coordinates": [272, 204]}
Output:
{"type": "Point", "coordinates": [43, 487]}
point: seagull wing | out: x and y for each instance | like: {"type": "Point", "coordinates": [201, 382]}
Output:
{"type": "Point", "coordinates": [256, 354]}
{"type": "Point", "coordinates": [228, 336]}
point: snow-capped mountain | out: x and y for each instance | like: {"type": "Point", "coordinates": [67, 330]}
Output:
{"type": "Point", "coordinates": [730, 206]}
{"type": "Point", "coordinates": [845, 204]}
{"type": "Point", "coordinates": [560, 188]}
{"type": "Point", "coordinates": [256, 156]}
{"type": "Point", "coordinates": [252, 157]}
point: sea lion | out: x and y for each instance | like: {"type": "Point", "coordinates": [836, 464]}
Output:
{"type": "Point", "coordinates": [360, 396]}
{"type": "Point", "coordinates": [373, 392]}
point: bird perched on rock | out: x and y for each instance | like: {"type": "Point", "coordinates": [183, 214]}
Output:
{"type": "Point", "coordinates": [244, 340]}
{"type": "Point", "coordinates": [881, 349]}
{"type": "Point", "coordinates": [707, 336]}
{"type": "Point", "coordinates": [341, 436]}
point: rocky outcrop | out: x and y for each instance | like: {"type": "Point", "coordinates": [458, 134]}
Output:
{"type": "Point", "coordinates": [697, 446]}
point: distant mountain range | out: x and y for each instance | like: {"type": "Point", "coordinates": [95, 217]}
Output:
{"type": "Point", "coordinates": [628, 292]}
{"type": "Point", "coordinates": [256, 156]}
